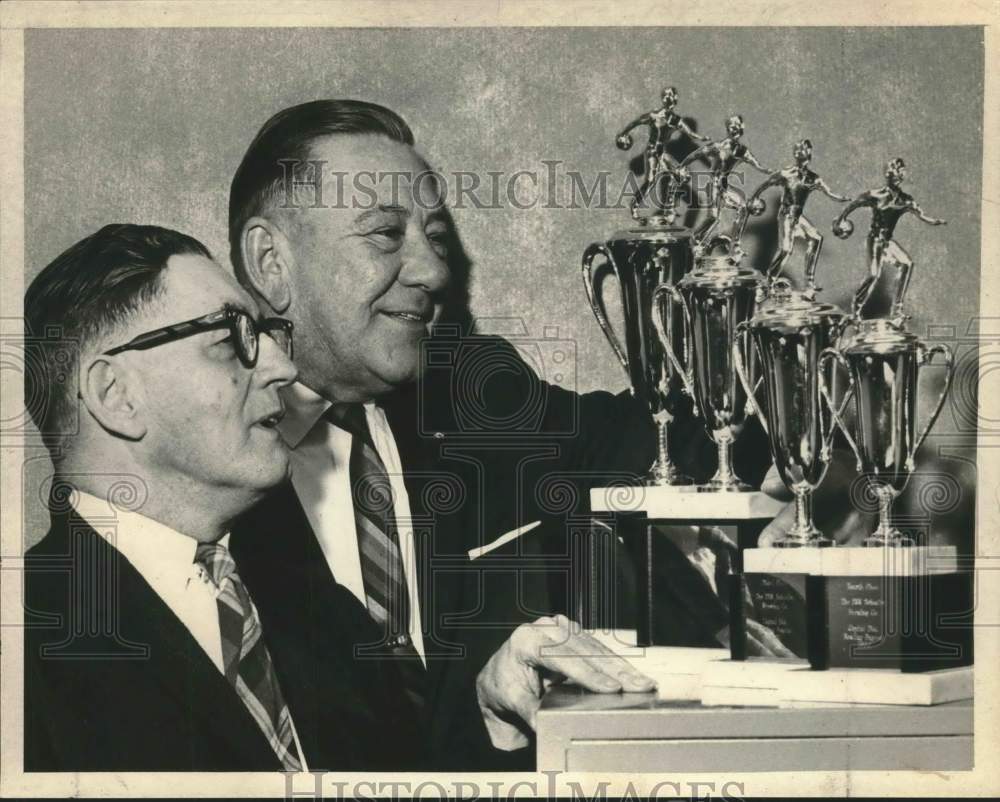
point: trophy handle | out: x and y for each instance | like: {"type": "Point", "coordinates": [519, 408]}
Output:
{"type": "Point", "coordinates": [665, 339]}
{"type": "Point", "coordinates": [925, 357]}
{"type": "Point", "coordinates": [596, 305]}
{"type": "Point", "coordinates": [835, 413]}
{"type": "Point", "coordinates": [740, 348]}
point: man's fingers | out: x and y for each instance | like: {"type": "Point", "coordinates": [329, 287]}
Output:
{"type": "Point", "coordinates": [755, 648]}
{"type": "Point", "coordinates": [565, 648]}
{"type": "Point", "coordinates": [768, 639]}
{"type": "Point", "coordinates": [773, 486]}
{"type": "Point", "coordinates": [775, 530]}
{"type": "Point", "coordinates": [600, 657]}
{"type": "Point", "coordinates": [524, 703]}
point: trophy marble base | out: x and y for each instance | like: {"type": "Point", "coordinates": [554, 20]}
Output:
{"type": "Point", "coordinates": [666, 504]}
{"type": "Point", "coordinates": [638, 508]}
{"type": "Point", "coordinates": [901, 608]}
{"type": "Point", "coordinates": [769, 683]}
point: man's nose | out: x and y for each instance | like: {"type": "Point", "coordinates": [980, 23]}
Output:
{"type": "Point", "coordinates": [273, 364]}
{"type": "Point", "coordinates": [424, 267]}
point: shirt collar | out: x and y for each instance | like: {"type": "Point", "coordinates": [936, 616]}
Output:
{"type": "Point", "coordinates": [163, 556]}
{"type": "Point", "coordinates": [303, 409]}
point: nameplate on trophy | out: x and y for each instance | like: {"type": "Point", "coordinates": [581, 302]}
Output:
{"type": "Point", "coordinates": [856, 619]}
{"type": "Point", "coordinates": [778, 602]}
{"type": "Point", "coordinates": [900, 608]}
{"type": "Point", "coordinates": [775, 583]}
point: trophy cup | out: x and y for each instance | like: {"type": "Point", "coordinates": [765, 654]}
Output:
{"type": "Point", "coordinates": [789, 335]}
{"type": "Point", "coordinates": [883, 360]}
{"type": "Point", "coordinates": [643, 257]}
{"type": "Point", "coordinates": [716, 298]}
{"type": "Point", "coordinates": [848, 607]}
{"type": "Point", "coordinates": [883, 363]}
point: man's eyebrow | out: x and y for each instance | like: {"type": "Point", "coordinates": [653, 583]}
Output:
{"type": "Point", "coordinates": [382, 208]}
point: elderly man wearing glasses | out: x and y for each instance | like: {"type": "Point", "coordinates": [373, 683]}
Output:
{"type": "Point", "coordinates": [144, 649]}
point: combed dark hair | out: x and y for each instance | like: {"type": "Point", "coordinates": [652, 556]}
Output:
{"type": "Point", "coordinates": [85, 292]}
{"type": "Point", "coordinates": [288, 136]}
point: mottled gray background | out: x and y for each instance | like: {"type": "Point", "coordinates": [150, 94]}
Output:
{"type": "Point", "coordinates": [148, 126]}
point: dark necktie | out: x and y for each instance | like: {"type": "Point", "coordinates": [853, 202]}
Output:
{"type": "Point", "coordinates": [386, 593]}
{"type": "Point", "coordinates": [248, 666]}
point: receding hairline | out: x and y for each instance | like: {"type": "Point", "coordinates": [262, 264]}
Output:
{"type": "Point", "coordinates": [144, 317]}
{"type": "Point", "coordinates": [267, 205]}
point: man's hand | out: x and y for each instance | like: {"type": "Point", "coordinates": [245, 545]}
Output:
{"type": "Point", "coordinates": [761, 641]}
{"type": "Point", "coordinates": [536, 656]}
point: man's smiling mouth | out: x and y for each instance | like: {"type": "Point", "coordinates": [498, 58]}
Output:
{"type": "Point", "coordinates": [413, 317]}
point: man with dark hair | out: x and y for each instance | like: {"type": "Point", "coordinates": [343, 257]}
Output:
{"type": "Point", "coordinates": [144, 648]}
{"type": "Point", "coordinates": [364, 273]}
{"type": "Point", "coordinates": [66, 303]}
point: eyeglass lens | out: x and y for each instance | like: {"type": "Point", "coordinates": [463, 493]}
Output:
{"type": "Point", "coordinates": [282, 338]}
{"type": "Point", "coordinates": [246, 338]}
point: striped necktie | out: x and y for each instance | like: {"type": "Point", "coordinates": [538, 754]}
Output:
{"type": "Point", "coordinates": [386, 593]}
{"type": "Point", "coordinates": [248, 666]}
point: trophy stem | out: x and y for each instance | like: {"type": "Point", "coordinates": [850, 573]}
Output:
{"type": "Point", "coordinates": [725, 480]}
{"type": "Point", "coordinates": [664, 472]}
{"type": "Point", "coordinates": [886, 534]}
{"type": "Point", "coordinates": [804, 532]}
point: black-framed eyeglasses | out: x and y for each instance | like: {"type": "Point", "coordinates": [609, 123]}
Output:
{"type": "Point", "coordinates": [243, 330]}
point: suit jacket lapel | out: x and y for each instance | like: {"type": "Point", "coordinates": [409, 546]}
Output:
{"type": "Point", "coordinates": [417, 463]}
{"type": "Point", "coordinates": [311, 626]}
{"type": "Point", "coordinates": [177, 665]}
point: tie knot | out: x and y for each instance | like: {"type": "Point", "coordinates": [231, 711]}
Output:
{"type": "Point", "coordinates": [351, 418]}
{"type": "Point", "coordinates": [216, 560]}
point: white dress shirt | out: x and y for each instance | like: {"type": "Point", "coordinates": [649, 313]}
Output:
{"type": "Point", "coordinates": [321, 454]}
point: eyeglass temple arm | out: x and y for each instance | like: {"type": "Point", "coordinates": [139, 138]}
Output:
{"type": "Point", "coordinates": [166, 334]}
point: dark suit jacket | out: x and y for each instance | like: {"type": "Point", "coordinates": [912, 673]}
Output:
{"type": "Point", "coordinates": [115, 682]}
{"type": "Point", "coordinates": [486, 447]}
{"type": "Point", "coordinates": [471, 475]}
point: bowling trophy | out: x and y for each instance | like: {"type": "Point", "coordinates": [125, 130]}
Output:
{"type": "Point", "coordinates": [651, 253]}
{"type": "Point", "coordinates": [721, 331]}
{"type": "Point", "coordinates": [883, 360]}
{"type": "Point", "coordinates": [716, 298]}
{"type": "Point", "coordinates": [789, 335]}
{"type": "Point", "coordinates": [850, 607]}
{"type": "Point", "coordinates": [883, 363]}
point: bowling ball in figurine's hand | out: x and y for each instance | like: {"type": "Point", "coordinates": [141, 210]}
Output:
{"type": "Point", "coordinates": [756, 207]}
{"type": "Point", "coordinates": [624, 142]}
{"type": "Point", "coordinates": [843, 228]}
{"type": "Point", "coordinates": [682, 175]}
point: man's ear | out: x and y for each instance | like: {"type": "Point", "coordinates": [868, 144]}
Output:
{"type": "Point", "coordinates": [266, 260]}
{"type": "Point", "coordinates": [106, 393]}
